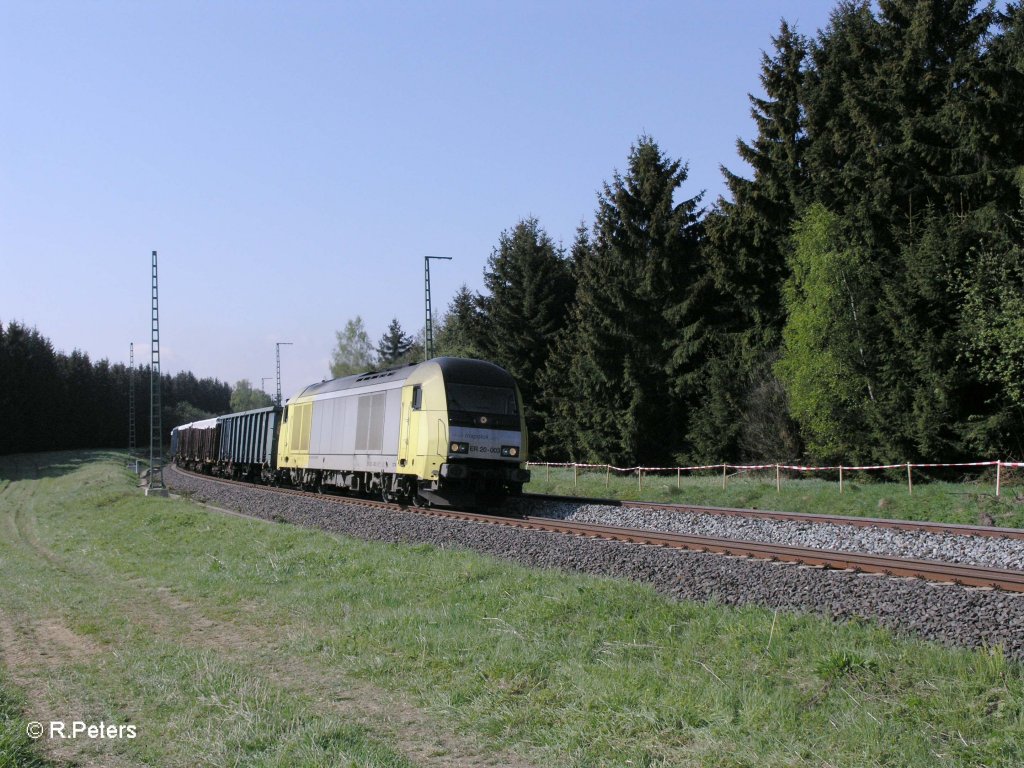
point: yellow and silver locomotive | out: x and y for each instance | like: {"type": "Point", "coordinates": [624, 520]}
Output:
{"type": "Point", "coordinates": [448, 431]}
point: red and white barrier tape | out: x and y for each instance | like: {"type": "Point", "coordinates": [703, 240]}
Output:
{"type": "Point", "coordinates": [789, 467]}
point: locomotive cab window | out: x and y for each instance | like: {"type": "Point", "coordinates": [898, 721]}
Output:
{"type": "Point", "coordinates": [286, 414]}
{"type": "Point", "coordinates": [474, 398]}
{"type": "Point", "coordinates": [417, 397]}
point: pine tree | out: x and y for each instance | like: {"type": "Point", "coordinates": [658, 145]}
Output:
{"type": "Point", "coordinates": [748, 239]}
{"type": "Point", "coordinates": [907, 163]}
{"type": "Point", "coordinates": [748, 236]}
{"type": "Point", "coordinates": [31, 372]}
{"type": "Point", "coordinates": [892, 113]}
{"type": "Point", "coordinates": [999, 106]}
{"type": "Point", "coordinates": [65, 401]}
{"type": "Point", "coordinates": [529, 289]}
{"type": "Point", "coordinates": [461, 329]}
{"type": "Point", "coordinates": [580, 250]}
{"type": "Point", "coordinates": [557, 392]}
{"type": "Point", "coordinates": [393, 345]}
{"type": "Point", "coordinates": [634, 283]}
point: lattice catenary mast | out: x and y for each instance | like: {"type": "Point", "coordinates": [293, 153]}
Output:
{"type": "Point", "coordinates": [428, 330]}
{"type": "Point", "coordinates": [156, 485]}
{"type": "Point", "coordinates": [280, 344]}
{"type": "Point", "coordinates": [131, 400]}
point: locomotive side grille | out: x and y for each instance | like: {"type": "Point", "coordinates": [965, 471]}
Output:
{"type": "Point", "coordinates": [370, 422]}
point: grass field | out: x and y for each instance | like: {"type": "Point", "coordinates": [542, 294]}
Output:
{"type": "Point", "coordinates": [971, 501]}
{"type": "Point", "coordinates": [227, 641]}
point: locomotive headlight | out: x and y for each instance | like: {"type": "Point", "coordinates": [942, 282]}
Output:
{"type": "Point", "coordinates": [459, 447]}
{"type": "Point", "coordinates": [509, 450]}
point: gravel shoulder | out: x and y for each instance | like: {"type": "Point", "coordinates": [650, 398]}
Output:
{"type": "Point", "coordinates": [988, 551]}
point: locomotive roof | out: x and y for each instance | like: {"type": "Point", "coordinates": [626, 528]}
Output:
{"type": "Point", "coordinates": [463, 370]}
{"type": "Point", "coordinates": [360, 380]}
{"type": "Point", "coordinates": [455, 369]}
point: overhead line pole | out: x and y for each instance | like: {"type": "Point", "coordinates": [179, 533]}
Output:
{"type": "Point", "coordinates": [428, 331]}
{"type": "Point", "coordinates": [131, 401]}
{"type": "Point", "coordinates": [156, 486]}
{"type": "Point", "coordinates": [279, 345]}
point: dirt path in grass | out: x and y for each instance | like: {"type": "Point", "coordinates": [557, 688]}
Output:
{"type": "Point", "coordinates": [33, 652]}
{"type": "Point", "coordinates": [404, 727]}
{"type": "Point", "coordinates": [35, 648]}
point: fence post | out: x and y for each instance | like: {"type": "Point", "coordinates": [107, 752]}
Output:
{"type": "Point", "coordinates": [679, 473]}
{"type": "Point", "coordinates": [840, 478]}
{"type": "Point", "coordinates": [575, 475]}
{"type": "Point", "coordinates": [910, 481]}
{"type": "Point", "coordinates": [999, 467]}
{"type": "Point", "coordinates": [547, 473]}
{"type": "Point", "coordinates": [723, 475]}
{"type": "Point", "coordinates": [639, 479]}
{"type": "Point", "coordinates": [778, 480]}
{"type": "Point", "coordinates": [607, 474]}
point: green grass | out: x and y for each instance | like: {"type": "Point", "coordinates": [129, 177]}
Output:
{"type": "Point", "coordinates": [233, 642]}
{"type": "Point", "coordinates": [16, 748]}
{"type": "Point", "coordinates": [972, 501]}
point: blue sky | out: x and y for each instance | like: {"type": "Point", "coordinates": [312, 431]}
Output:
{"type": "Point", "coordinates": [293, 162]}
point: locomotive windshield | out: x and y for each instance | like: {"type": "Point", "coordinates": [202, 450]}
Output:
{"type": "Point", "coordinates": [474, 398]}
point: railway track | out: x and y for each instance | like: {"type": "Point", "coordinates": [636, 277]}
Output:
{"type": "Point", "coordinates": [917, 526]}
{"type": "Point", "coordinates": [931, 570]}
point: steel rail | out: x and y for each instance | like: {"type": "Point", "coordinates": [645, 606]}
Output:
{"type": "Point", "coordinates": [930, 570]}
{"type": "Point", "coordinates": [919, 526]}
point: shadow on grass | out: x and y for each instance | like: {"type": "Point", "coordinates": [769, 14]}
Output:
{"type": "Point", "coordinates": [34, 466]}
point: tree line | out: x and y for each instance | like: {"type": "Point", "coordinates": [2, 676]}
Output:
{"type": "Point", "coordinates": [860, 297]}
{"type": "Point", "coordinates": [56, 401]}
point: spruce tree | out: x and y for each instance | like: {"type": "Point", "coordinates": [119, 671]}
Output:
{"type": "Point", "coordinates": [1000, 107]}
{"type": "Point", "coordinates": [634, 283]}
{"type": "Point", "coordinates": [394, 344]}
{"type": "Point", "coordinates": [748, 238]}
{"type": "Point", "coordinates": [892, 113]}
{"type": "Point", "coordinates": [461, 330]}
{"type": "Point", "coordinates": [908, 166]}
{"type": "Point", "coordinates": [529, 290]}
{"type": "Point", "coordinates": [557, 393]}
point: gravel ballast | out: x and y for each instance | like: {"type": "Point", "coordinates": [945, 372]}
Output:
{"type": "Point", "coordinates": [952, 615]}
{"type": "Point", "coordinates": [988, 551]}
